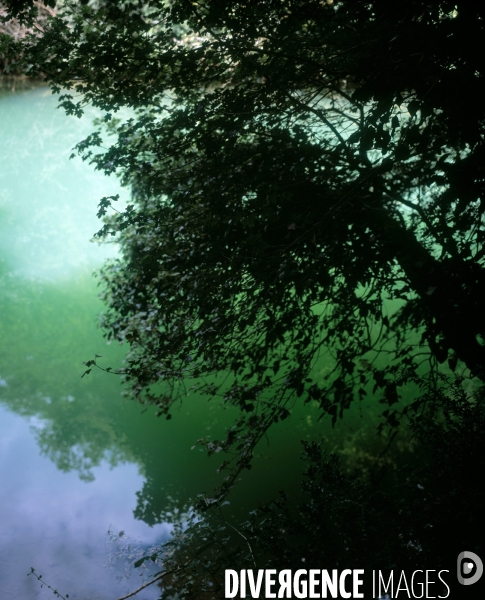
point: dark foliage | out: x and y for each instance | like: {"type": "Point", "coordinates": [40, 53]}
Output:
{"type": "Point", "coordinates": [307, 178]}
{"type": "Point", "coordinates": [378, 523]}
{"type": "Point", "coordinates": [307, 222]}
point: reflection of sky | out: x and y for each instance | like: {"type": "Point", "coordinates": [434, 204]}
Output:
{"type": "Point", "coordinates": [56, 523]}
{"type": "Point", "coordinates": [48, 203]}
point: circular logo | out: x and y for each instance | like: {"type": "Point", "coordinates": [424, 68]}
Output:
{"type": "Point", "coordinates": [469, 568]}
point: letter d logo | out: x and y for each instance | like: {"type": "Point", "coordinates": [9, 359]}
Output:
{"type": "Point", "coordinates": [466, 563]}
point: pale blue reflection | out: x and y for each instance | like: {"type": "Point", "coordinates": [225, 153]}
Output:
{"type": "Point", "coordinates": [58, 524]}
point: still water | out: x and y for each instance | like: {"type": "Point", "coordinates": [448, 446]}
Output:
{"type": "Point", "coordinates": [76, 459]}
{"type": "Point", "coordinates": [69, 471]}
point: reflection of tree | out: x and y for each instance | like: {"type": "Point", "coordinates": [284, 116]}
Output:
{"type": "Point", "coordinates": [79, 422]}
{"type": "Point", "coordinates": [75, 439]}
{"type": "Point", "coordinates": [149, 506]}
{"type": "Point", "coordinates": [46, 331]}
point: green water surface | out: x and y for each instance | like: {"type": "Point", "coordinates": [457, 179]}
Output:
{"type": "Point", "coordinates": [77, 459]}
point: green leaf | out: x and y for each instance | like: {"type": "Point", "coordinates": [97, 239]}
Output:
{"type": "Point", "coordinates": [140, 561]}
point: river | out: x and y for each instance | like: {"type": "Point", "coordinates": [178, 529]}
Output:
{"type": "Point", "coordinates": [86, 476]}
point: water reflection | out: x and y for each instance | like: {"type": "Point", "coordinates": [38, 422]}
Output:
{"type": "Point", "coordinates": [47, 203]}
{"type": "Point", "coordinates": [76, 458]}
{"type": "Point", "coordinates": [73, 452]}
{"type": "Point", "coordinates": [56, 523]}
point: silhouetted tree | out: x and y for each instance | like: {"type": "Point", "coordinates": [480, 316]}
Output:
{"type": "Point", "coordinates": [295, 166]}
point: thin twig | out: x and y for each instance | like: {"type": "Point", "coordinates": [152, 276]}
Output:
{"type": "Point", "coordinates": [157, 578]}
{"type": "Point", "coordinates": [54, 591]}
{"type": "Point", "coordinates": [145, 585]}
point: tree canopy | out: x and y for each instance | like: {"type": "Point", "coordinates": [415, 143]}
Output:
{"type": "Point", "coordinates": [307, 222]}
{"type": "Point", "coordinates": [307, 179]}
